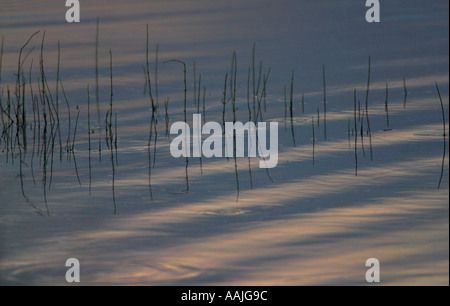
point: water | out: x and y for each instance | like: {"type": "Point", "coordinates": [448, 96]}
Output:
{"type": "Point", "coordinates": [310, 220]}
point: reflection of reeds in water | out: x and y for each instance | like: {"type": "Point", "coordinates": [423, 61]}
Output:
{"type": "Point", "coordinates": [46, 122]}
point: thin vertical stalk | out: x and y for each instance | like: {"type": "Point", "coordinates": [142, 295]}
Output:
{"type": "Point", "coordinates": [386, 105]}
{"type": "Point", "coordinates": [324, 103]}
{"type": "Point", "coordinates": [405, 93]}
{"type": "Point", "coordinates": [356, 136]}
{"type": "Point", "coordinates": [97, 96]}
{"type": "Point", "coordinates": [367, 99]}
{"type": "Point", "coordinates": [445, 132]}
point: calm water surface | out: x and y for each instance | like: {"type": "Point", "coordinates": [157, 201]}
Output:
{"type": "Point", "coordinates": [315, 219]}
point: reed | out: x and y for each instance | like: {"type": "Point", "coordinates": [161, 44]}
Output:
{"type": "Point", "coordinates": [285, 107]}
{"type": "Point", "coordinates": [204, 104]}
{"type": "Point", "coordinates": [254, 81]}
{"type": "Point", "coordinates": [1, 61]}
{"type": "Point", "coordinates": [444, 134]}
{"type": "Point", "coordinates": [57, 99]}
{"type": "Point", "coordinates": [263, 93]}
{"type": "Point", "coordinates": [116, 136]}
{"type": "Point", "coordinates": [1, 89]}
{"type": "Point", "coordinates": [362, 137]}
{"type": "Point", "coordinates": [75, 164]}
{"type": "Point", "coordinates": [147, 71]}
{"type": "Point", "coordinates": [442, 109]}
{"type": "Point", "coordinates": [324, 103]}
{"type": "Point", "coordinates": [405, 93]}
{"type": "Point", "coordinates": [89, 136]}
{"type": "Point", "coordinates": [75, 130]}
{"type": "Point", "coordinates": [356, 135]}
{"type": "Point", "coordinates": [233, 92]}
{"type": "Point", "coordinates": [70, 118]}
{"type": "Point", "coordinates": [224, 100]}
{"type": "Point", "coordinates": [303, 103]}
{"type": "Point", "coordinates": [19, 67]}
{"type": "Point", "coordinates": [318, 117]}
{"type": "Point", "coordinates": [156, 76]}
{"type": "Point", "coordinates": [199, 93]}
{"type": "Point", "coordinates": [185, 114]}
{"type": "Point", "coordinates": [195, 82]}
{"type": "Point", "coordinates": [367, 98]}
{"type": "Point", "coordinates": [111, 93]}
{"type": "Point", "coordinates": [370, 145]}
{"type": "Point", "coordinates": [349, 132]}
{"type": "Point", "coordinates": [359, 110]}
{"type": "Point", "coordinates": [97, 95]}
{"type": "Point", "coordinates": [199, 127]}
{"type": "Point", "coordinates": [248, 96]}
{"type": "Point", "coordinates": [314, 141]}
{"type": "Point", "coordinates": [167, 119]}
{"type": "Point", "coordinates": [21, 120]}
{"type": "Point", "coordinates": [291, 108]}
{"type": "Point", "coordinates": [249, 120]}
{"type": "Point", "coordinates": [386, 105]}
{"type": "Point", "coordinates": [32, 104]}
{"type": "Point", "coordinates": [111, 148]}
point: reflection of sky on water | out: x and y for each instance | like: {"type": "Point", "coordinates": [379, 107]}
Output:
{"type": "Point", "coordinates": [313, 224]}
